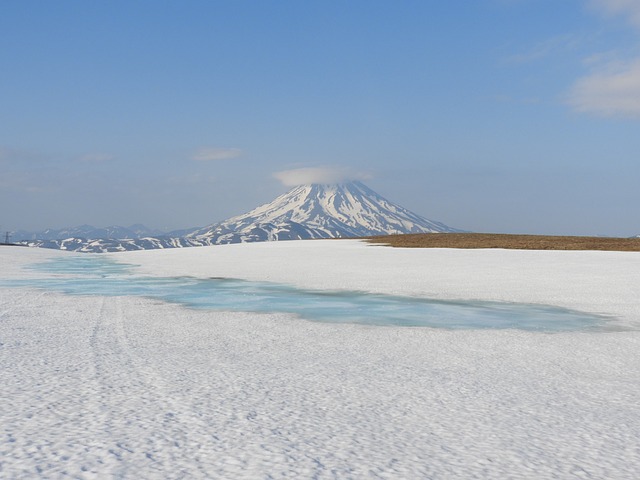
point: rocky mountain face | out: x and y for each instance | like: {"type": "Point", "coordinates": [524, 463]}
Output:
{"type": "Point", "coordinates": [305, 212]}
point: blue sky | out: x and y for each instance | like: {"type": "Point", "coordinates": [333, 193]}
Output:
{"type": "Point", "coordinates": [514, 116]}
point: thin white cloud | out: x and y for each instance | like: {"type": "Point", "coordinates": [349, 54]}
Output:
{"type": "Point", "coordinates": [193, 179]}
{"type": "Point", "coordinates": [504, 98]}
{"type": "Point", "coordinates": [17, 156]}
{"type": "Point", "coordinates": [546, 48]}
{"type": "Point", "coordinates": [627, 8]}
{"type": "Point", "coordinates": [321, 175]}
{"type": "Point", "coordinates": [612, 88]}
{"type": "Point", "coordinates": [96, 157]}
{"type": "Point", "coordinates": [211, 154]}
{"type": "Point", "coordinates": [612, 91]}
{"type": "Point", "coordinates": [28, 182]}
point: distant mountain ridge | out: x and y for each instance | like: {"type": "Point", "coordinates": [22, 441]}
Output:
{"type": "Point", "coordinates": [305, 212]}
{"type": "Point", "coordinates": [88, 231]}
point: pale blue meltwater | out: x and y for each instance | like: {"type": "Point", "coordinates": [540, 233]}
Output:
{"type": "Point", "coordinates": [97, 275]}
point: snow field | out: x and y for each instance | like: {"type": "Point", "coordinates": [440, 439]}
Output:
{"type": "Point", "coordinates": [597, 282]}
{"type": "Point", "coordinates": [126, 387]}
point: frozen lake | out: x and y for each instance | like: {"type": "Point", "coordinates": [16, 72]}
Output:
{"type": "Point", "coordinates": [99, 275]}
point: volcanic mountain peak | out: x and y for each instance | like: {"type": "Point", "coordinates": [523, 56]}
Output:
{"type": "Point", "coordinates": [306, 211]}
{"type": "Point", "coordinates": [337, 210]}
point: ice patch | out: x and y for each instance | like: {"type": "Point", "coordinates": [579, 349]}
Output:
{"type": "Point", "coordinates": [100, 276]}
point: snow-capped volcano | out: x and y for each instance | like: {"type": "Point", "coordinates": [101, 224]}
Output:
{"type": "Point", "coordinates": [320, 211]}
{"type": "Point", "coordinates": [307, 211]}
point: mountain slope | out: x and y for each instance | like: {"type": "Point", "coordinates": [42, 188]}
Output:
{"type": "Point", "coordinates": [322, 211]}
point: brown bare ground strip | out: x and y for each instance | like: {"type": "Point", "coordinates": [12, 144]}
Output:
{"type": "Point", "coordinates": [519, 242]}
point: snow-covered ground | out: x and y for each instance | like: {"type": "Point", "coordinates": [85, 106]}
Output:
{"type": "Point", "coordinates": [125, 387]}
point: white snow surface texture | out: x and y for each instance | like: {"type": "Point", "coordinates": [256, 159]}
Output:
{"type": "Point", "coordinates": [127, 387]}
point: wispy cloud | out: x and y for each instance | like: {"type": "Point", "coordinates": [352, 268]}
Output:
{"type": "Point", "coordinates": [96, 157]}
{"type": "Point", "coordinates": [546, 48]}
{"type": "Point", "coordinates": [611, 91]}
{"type": "Point", "coordinates": [211, 154]}
{"type": "Point", "coordinates": [612, 87]}
{"type": "Point", "coordinates": [18, 156]}
{"type": "Point", "coordinates": [627, 8]}
{"type": "Point", "coordinates": [192, 179]}
{"type": "Point", "coordinates": [27, 182]}
{"type": "Point", "coordinates": [322, 175]}
{"type": "Point", "coordinates": [505, 98]}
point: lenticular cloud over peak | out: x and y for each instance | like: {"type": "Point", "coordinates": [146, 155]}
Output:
{"type": "Point", "coordinates": [318, 175]}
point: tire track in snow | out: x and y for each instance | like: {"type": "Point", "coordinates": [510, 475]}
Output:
{"type": "Point", "coordinates": [140, 406]}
